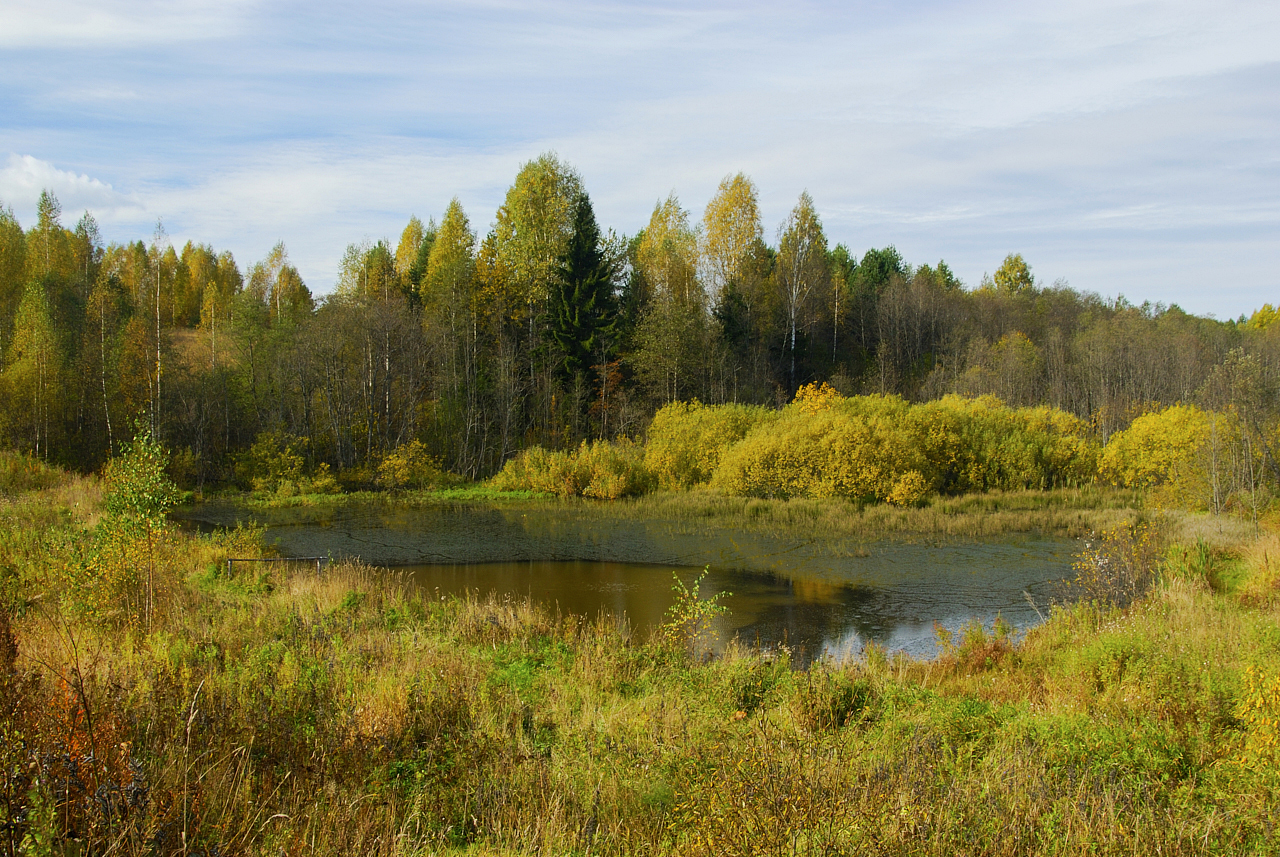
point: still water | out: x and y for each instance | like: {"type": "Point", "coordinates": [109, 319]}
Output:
{"type": "Point", "coordinates": [821, 597]}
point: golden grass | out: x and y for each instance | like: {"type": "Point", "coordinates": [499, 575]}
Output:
{"type": "Point", "coordinates": [279, 711]}
{"type": "Point", "coordinates": [1067, 511]}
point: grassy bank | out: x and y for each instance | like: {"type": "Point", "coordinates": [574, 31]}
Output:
{"type": "Point", "coordinates": [283, 712]}
{"type": "Point", "coordinates": [1071, 512]}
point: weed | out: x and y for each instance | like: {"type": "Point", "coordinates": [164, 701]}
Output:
{"type": "Point", "coordinates": [689, 619]}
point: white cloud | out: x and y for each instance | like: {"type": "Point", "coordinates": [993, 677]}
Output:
{"type": "Point", "coordinates": [23, 178]}
{"type": "Point", "coordinates": [60, 23]}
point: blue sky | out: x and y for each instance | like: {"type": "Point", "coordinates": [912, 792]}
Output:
{"type": "Point", "coordinates": [1124, 147]}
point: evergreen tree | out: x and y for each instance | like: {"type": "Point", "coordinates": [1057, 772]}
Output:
{"type": "Point", "coordinates": [583, 312]}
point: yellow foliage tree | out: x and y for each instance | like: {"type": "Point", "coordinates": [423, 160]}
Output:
{"type": "Point", "coordinates": [730, 231]}
{"type": "Point", "coordinates": [1179, 452]}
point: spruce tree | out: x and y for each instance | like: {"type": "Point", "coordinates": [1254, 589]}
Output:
{"type": "Point", "coordinates": [582, 307]}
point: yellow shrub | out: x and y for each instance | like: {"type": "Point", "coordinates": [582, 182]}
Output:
{"type": "Point", "coordinates": [857, 448]}
{"type": "Point", "coordinates": [409, 466]}
{"type": "Point", "coordinates": [687, 439]}
{"type": "Point", "coordinates": [981, 445]}
{"type": "Point", "coordinates": [1171, 451]}
{"type": "Point", "coordinates": [1259, 710]}
{"type": "Point", "coordinates": [909, 489]}
{"type": "Point", "coordinates": [614, 469]}
{"type": "Point", "coordinates": [883, 448]}
{"type": "Point", "coordinates": [812, 398]}
{"type": "Point", "coordinates": [598, 469]}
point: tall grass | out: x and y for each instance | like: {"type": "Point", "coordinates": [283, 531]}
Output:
{"type": "Point", "coordinates": [1072, 512]}
{"type": "Point", "coordinates": [283, 712]}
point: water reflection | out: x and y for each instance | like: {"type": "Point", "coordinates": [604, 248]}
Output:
{"type": "Point", "coordinates": [820, 597]}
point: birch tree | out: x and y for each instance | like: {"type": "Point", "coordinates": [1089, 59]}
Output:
{"type": "Point", "coordinates": [802, 269]}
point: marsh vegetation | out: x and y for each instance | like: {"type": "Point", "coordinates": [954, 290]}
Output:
{"type": "Point", "coordinates": [353, 712]}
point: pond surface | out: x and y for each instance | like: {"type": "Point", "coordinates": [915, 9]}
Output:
{"type": "Point", "coordinates": [818, 596]}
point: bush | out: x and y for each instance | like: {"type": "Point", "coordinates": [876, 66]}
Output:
{"type": "Point", "coordinates": [981, 445]}
{"type": "Point", "coordinates": [598, 469]}
{"type": "Point", "coordinates": [856, 448]}
{"type": "Point", "coordinates": [410, 466]}
{"type": "Point", "coordinates": [275, 465]}
{"type": "Point", "coordinates": [1179, 453]}
{"type": "Point", "coordinates": [1119, 566]}
{"type": "Point", "coordinates": [880, 448]}
{"type": "Point", "coordinates": [127, 561]}
{"type": "Point", "coordinates": [827, 698]}
{"type": "Point", "coordinates": [687, 439]}
{"type": "Point", "coordinates": [20, 473]}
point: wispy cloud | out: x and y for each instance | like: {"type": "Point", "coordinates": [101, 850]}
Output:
{"type": "Point", "coordinates": [60, 23]}
{"type": "Point", "coordinates": [1112, 143]}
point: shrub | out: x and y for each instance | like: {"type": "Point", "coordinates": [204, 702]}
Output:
{"type": "Point", "coordinates": [131, 535]}
{"type": "Point", "coordinates": [813, 398]}
{"type": "Point", "coordinates": [981, 445]}
{"type": "Point", "coordinates": [829, 699]}
{"type": "Point", "coordinates": [272, 462]}
{"type": "Point", "coordinates": [275, 465]}
{"type": "Point", "coordinates": [880, 448]}
{"type": "Point", "coordinates": [855, 448]}
{"type": "Point", "coordinates": [1179, 453]}
{"type": "Point", "coordinates": [691, 617]}
{"type": "Point", "coordinates": [1259, 710]}
{"type": "Point", "coordinates": [20, 473]}
{"type": "Point", "coordinates": [410, 466]}
{"type": "Point", "coordinates": [687, 439]}
{"type": "Point", "coordinates": [600, 469]}
{"type": "Point", "coordinates": [614, 469]}
{"type": "Point", "coordinates": [1119, 566]}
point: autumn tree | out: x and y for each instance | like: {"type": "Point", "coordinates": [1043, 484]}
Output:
{"type": "Point", "coordinates": [803, 270]}
{"type": "Point", "coordinates": [276, 283]}
{"type": "Point", "coordinates": [731, 230]}
{"type": "Point", "coordinates": [1013, 276]}
{"type": "Point", "coordinates": [450, 313]}
{"type": "Point", "coordinates": [667, 256]}
{"type": "Point", "coordinates": [671, 339]}
{"type": "Point", "coordinates": [410, 261]}
{"type": "Point", "coordinates": [368, 272]}
{"type": "Point", "coordinates": [33, 370]}
{"type": "Point", "coordinates": [49, 250]}
{"type": "Point", "coordinates": [534, 225]}
{"type": "Point", "coordinates": [13, 263]}
{"type": "Point", "coordinates": [87, 247]}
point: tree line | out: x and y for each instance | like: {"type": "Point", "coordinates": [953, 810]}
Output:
{"type": "Point", "coordinates": [548, 331]}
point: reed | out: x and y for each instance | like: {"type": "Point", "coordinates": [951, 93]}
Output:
{"type": "Point", "coordinates": [1071, 512]}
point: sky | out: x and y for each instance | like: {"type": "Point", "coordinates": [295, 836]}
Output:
{"type": "Point", "coordinates": [1124, 148]}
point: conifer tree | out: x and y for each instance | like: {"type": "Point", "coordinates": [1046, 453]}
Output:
{"type": "Point", "coordinates": [583, 311]}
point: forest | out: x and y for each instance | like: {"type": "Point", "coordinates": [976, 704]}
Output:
{"type": "Point", "coordinates": [548, 332]}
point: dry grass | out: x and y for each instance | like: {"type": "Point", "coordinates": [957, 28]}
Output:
{"type": "Point", "coordinates": [1070, 512]}
{"type": "Point", "coordinates": [281, 712]}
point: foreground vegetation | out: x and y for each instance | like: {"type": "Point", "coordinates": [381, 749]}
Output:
{"type": "Point", "coordinates": [151, 704]}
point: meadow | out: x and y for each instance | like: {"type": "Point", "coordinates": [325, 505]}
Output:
{"type": "Point", "coordinates": [150, 703]}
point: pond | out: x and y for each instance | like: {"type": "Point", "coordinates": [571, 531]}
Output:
{"type": "Point", "coordinates": [818, 596]}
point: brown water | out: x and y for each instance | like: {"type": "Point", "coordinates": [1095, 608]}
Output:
{"type": "Point", "coordinates": [818, 596]}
